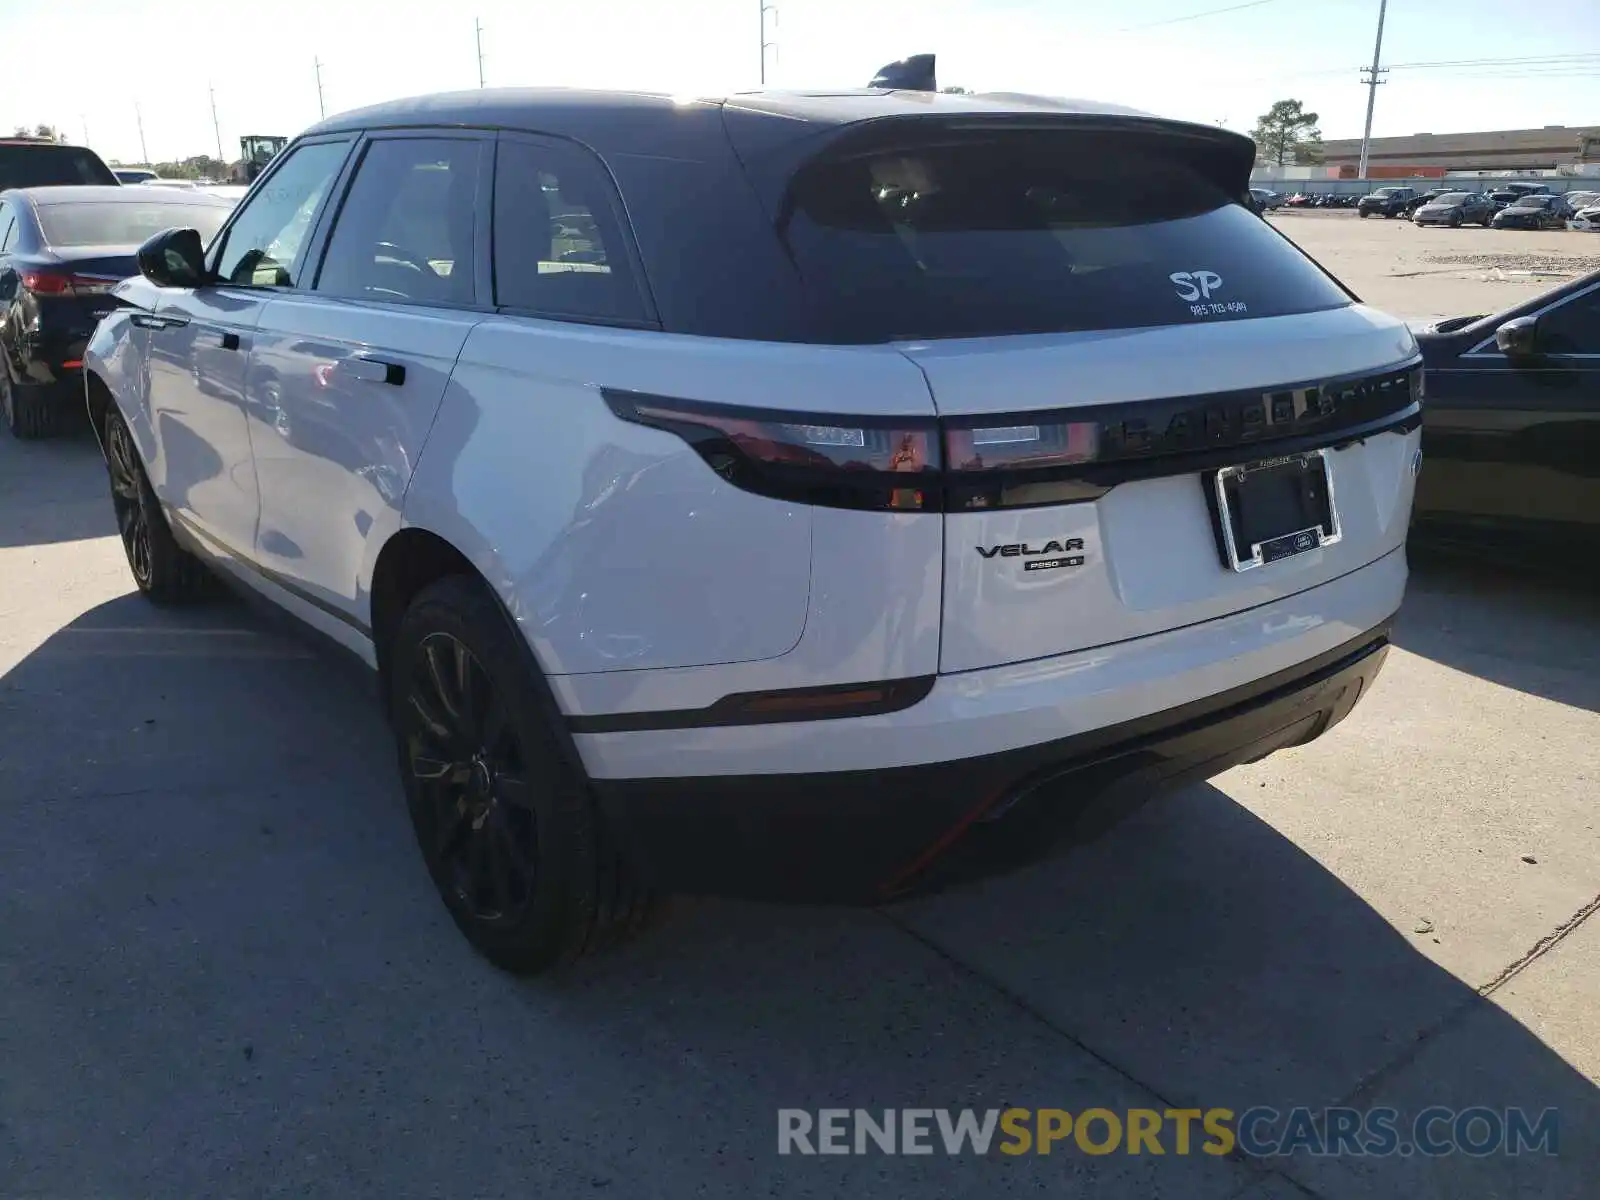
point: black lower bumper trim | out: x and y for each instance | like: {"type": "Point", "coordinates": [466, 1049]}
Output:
{"type": "Point", "coordinates": [867, 836]}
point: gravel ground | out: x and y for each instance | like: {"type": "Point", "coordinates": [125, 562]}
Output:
{"type": "Point", "coordinates": [1552, 264]}
{"type": "Point", "coordinates": [1430, 273]}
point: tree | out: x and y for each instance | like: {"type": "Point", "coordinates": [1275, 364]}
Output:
{"type": "Point", "coordinates": [1287, 133]}
{"type": "Point", "coordinates": [48, 131]}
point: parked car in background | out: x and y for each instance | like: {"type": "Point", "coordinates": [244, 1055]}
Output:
{"type": "Point", "coordinates": [1586, 219]}
{"type": "Point", "coordinates": [1529, 189]}
{"type": "Point", "coordinates": [1511, 431]}
{"type": "Point", "coordinates": [1264, 199]}
{"type": "Point", "coordinates": [1533, 211]}
{"type": "Point", "coordinates": [1456, 209]}
{"type": "Point", "coordinates": [62, 250]}
{"type": "Point", "coordinates": [134, 174]}
{"type": "Point", "coordinates": [1386, 202]}
{"type": "Point", "coordinates": [35, 162]}
{"type": "Point", "coordinates": [695, 551]}
{"type": "Point", "coordinates": [231, 192]}
{"type": "Point", "coordinates": [1427, 197]}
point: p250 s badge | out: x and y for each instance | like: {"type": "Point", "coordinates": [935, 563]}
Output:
{"type": "Point", "coordinates": [1054, 553]}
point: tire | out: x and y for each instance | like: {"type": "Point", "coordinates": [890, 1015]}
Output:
{"type": "Point", "coordinates": [163, 570]}
{"type": "Point", "coordinates": [29, 414]}
{"type": "Point", "coordinates": [1455, 221]}
{"type": "Point", "coordinates": [510, 834]}
{"type": "Point", "coordinates": [1363, 213]}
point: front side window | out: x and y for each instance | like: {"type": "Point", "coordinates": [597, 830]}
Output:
{"type": "Point", "coordinates": [557, 245]}
{"type": "Point", "coordinates": [1574, 328]}
{"type": "Point", "coordinates": [406, 229]}
{"type": "Point", "coordinates": [1036, 232]}
{"type": "Point", "coordinates": [262, 246]}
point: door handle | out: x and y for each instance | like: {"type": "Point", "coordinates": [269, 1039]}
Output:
{"type": "Point", "coordinates": [375, 370]}
{"type": "Point", "coordinates": [230, 341]}
{"type": "Point", "coordinates": [153, 321]}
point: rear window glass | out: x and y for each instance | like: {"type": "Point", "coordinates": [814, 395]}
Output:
{"type": "Point", "coordinates": [47, 166]}
{"type": "Point", "coordinates": [110, 223]}
{"type": "Point", "coordinates": [1037, 233]}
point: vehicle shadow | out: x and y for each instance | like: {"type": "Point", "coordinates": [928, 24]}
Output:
{"type": "Point", "coordinates": [225, 970]}
{"type": "Point", "coordinates": [53, 490]}
{"type": "Point", "coordinates": [1539, 635]}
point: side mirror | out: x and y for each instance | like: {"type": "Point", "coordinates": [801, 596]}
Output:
{"type": "Point", "coordinates": [173, 258]}
{"type": "Point", "coordinates": [1518, 337]}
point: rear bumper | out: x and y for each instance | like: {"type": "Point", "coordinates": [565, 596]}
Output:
{"type": "Point", "coordinates": [868, 833]}
{"type": "Point", "coordinates": [44, 358]}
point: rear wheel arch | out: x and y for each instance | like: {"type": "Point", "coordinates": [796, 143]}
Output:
{"type": "Point", "coordinates": [411, 560]}
{"type": "Point", "coordinates": [100, 401]}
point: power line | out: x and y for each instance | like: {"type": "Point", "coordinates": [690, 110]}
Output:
{"type": "Point", "coordinates": [767, 6]}
{"type": "Point", "coordinates": [1210, 12]}
{"type": "Point", "coordinates": [215, 124]}
{"type": "Point", "coordinates": [1372, 81]}
{"type": "Point", "coordinates": [1531, 60]}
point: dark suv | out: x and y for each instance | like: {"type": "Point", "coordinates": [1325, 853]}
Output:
{"type": "Point", "coordinates": [1387, 201]}
{"type": "Point", "coordinates": [35, 162]}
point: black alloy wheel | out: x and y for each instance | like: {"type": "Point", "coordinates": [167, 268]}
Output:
{"type": "Point", "coordinates": [162, 569]}
{"type": "Point", "coordinates": [127, 500]}
{"type": "Point", "coordinates": [469, 768]}
{"type": "Point", "coordinates": [502, 811]}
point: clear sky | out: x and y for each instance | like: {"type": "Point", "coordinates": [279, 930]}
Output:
{"type": "Point", "coordinates": [97, 59]}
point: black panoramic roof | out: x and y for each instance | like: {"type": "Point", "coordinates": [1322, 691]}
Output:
{"type": "Point", "coordinates": [604, 118]}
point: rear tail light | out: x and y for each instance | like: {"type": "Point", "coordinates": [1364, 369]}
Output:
{"type": "Point", "coordinates": [47, 283]}
{"type": "Point", "coordinates": [988, 448]}
{"type": "Point", "coordinates": [60, 283]}
{"type": "Point", "coordinates": [838, 462]}
{"type": "Point", "coordinates": [1019, 460]}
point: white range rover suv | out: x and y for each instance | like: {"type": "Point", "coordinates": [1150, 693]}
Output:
{"type": "Point", "coordinates": [780, 494]}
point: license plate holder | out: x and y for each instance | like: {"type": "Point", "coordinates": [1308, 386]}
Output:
{"type": "Point", "coordinates": [1275, 509]}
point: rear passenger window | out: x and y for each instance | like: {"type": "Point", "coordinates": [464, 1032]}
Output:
{"type": "Point", "coordinates": [406, 230]}
{"type": "Point", "coordinates": [557, 245]}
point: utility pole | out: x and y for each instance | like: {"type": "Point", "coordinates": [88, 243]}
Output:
{"type": "Point", "coordinates": [321, 107]}
{"type": "Point", "coordinates": [143, 149]}
{"type": "Point", "coordinates": [767, 7]}
{"type": "Point", "coordinates": [1372, 81]}
{"type": "Point", "coordinates": [85, 121]}
{"type": "Point", "coordinates": [478, 31]}
{"type": "Point", "coordinates": [215, 124]}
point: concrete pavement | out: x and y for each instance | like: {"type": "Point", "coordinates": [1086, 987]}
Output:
{"type": "Point", "coordinates": [223, 971]}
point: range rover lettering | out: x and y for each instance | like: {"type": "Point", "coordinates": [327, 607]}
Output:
{"type": "Point", "coordinates": [641, 446]}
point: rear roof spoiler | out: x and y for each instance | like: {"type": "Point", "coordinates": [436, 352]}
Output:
{"type": "Point", "coordinates": [913, 74]}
